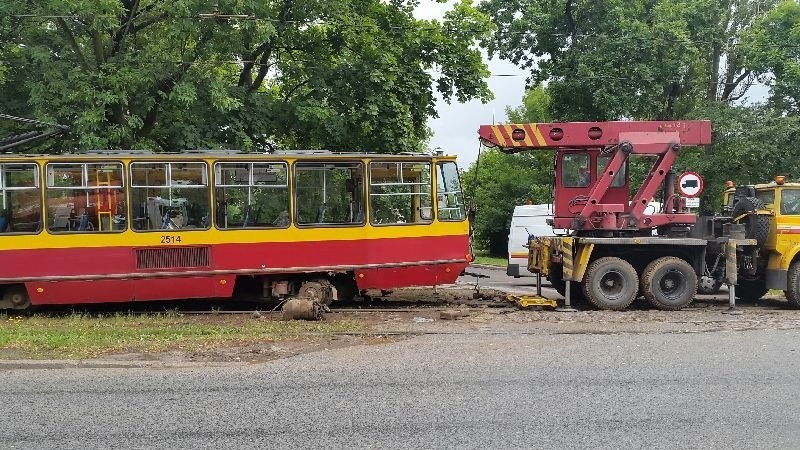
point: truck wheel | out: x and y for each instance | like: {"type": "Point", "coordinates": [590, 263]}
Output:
{"type": "Point", "coordinates": [749, 291]}
{"type": "Point", "coordinates": [669, 283]}
{"type": "Point", "coordinates": [756, 225]}
{"type": "Point", "coordinates": [611, 283]}
{"type": "Point", "coordinates": [793, 293]}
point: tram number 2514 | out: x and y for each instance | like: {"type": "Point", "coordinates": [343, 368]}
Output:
{"type": "Point", "coordinates": [166, 239]}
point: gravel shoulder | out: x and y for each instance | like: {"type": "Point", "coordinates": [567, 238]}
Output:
{"type": "Point", "coordinates": [488, 315]}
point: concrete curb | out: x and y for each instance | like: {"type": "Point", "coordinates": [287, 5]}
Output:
{"type": "Point", "coordinates": [487, 266]}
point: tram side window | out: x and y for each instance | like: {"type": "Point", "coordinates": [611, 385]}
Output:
{"type": "Point", "coordinates": [251, 195]}
{"type": "Point", "coordinates": [329, 193]}
{"type": "Point", "coordinates": [168, 196]}
{"type": "Point", "coordinates": [22, 201]}
{"type": "Point", "coordinates": [85, 197]}
{"type": "Point", "coordinates": [400, 192]}
{"type": "Point", "coordinates": [448, 191]}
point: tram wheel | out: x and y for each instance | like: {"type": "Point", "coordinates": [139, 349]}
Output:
{"type": "Point", "coordinates": [346, 288]}
{"type": "Point", "coordinates": [316, 290]}
{"type": "Point", "coordinates": [17, 297]}
{"type": "Point", "coordinates": [611, 283]}
{"type": "Point", "coordinates": [669, 283]}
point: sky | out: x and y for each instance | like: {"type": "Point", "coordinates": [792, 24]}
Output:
{"type": "Point", "coordinates": [455, 131]}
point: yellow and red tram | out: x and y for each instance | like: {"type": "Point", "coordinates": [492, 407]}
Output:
{"type": "Point", "coordinates": [117, 227]}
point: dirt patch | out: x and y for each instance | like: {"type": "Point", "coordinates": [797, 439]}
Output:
{"type": "Point", "coordinates": [253, 352]}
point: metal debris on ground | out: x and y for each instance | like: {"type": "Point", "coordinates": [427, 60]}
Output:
{"type": "Point", "coordinates": [301, 309]}
{"type": "Point", "coordinates": [527, 301]}
{"type": "Point", "coordinates": [422, 320]}
{"type": "Point", "coordinates": [451, 314]}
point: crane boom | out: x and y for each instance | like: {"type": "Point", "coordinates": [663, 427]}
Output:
{"type": "Point", "coordinates": [513, 138]}
{"type": "Point", "coordinates": [592, 191]}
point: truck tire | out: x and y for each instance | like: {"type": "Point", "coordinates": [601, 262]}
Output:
{"type": "Point", "coordinates": [669, 283]}
{"type": "Point", "coordinates": [611, 283]}
{"type": "Point", "coordinates": [756, 225]}
{"type": "Point", "coordinates": [793, 293]}
{"type": "Point", "coordinates": [750, 291]}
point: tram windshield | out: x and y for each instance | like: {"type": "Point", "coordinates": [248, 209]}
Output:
{"type": "Point", "coordinates": [448, 191]}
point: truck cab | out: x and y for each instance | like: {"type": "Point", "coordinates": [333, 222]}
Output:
{"type": "Point", "coordinates": [778, 205]}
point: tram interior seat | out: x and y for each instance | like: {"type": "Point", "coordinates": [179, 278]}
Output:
{"type": "Point", "coordinates": [61, 217]}
{"type": "Point", "coordinates": [426, 212]}
{"type": "Point", "coordinates": [154, 214]}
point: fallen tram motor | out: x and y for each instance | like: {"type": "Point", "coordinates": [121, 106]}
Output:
{"type": "Point", "coordinates": [117, 227]}
{"type": "Point", "coordinates": [614, 252]}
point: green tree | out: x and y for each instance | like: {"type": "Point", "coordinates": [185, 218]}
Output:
{"type": "Point", "coordinates": [772, 49]}
{"type": "Point", "coordinates": [751, 144]}
{"type": "Point", "coordinates": [342, 74]}
{"type": "Point", "coordinates": [503, 181]}
{"type": "Point", "coordinates": [615, 59]}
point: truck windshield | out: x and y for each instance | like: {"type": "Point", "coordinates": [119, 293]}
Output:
{"type": "Point", "coordinates": [768, 196]}
{"type": "Point", "coordinates": [790, 201]}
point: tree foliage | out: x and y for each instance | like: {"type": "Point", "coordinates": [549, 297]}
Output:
{"type": "Point", "coordinates": [772, 48]}
{"type": "Point", "coordinates": [341, 74]}
{"type": "Point", "coordinates": [641, 59]}
{"type": "Point", "coordinates": [503, 181]}
{"type": "Point", "coordinates": [751, 144]}
{"type": "Point", "coordinates": [663, 60]}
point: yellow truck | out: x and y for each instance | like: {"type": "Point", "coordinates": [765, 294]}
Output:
{"type": "Point", "coordinates": [771, 213]}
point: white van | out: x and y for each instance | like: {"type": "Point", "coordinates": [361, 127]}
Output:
{"type": "Point", "coordinates": [531, 220]}
{"type": "Point", "coordinates": [527, 220]}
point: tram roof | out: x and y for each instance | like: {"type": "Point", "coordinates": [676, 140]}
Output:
{"type": "Point", "coordinates": [222, 154]}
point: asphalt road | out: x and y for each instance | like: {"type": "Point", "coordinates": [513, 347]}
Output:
{"type": "Point", "coordinates": [474, 390]}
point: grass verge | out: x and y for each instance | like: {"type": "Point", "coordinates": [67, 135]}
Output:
{"type": "Point", "coordinates": [483, 257]}
{"type": "Point", "coordinates": [79, 336]}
